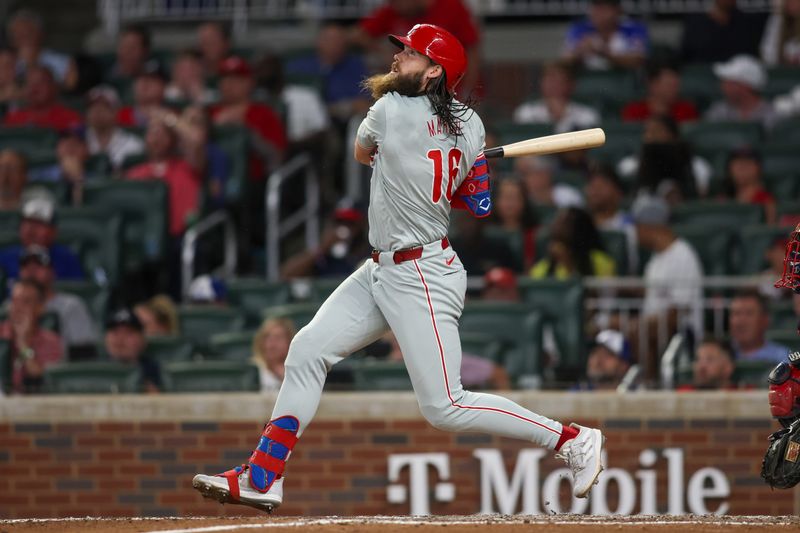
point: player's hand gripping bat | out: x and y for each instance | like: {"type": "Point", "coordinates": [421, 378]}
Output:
{"type": "Point", "coordinates": [551, 144]}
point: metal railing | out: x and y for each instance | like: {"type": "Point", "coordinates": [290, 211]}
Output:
{"type": "Point", "coordinates": [193, 234]}
{"type": "Point", "coordinates": [308, 214]}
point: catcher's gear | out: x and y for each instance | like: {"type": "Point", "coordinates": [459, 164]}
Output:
{"type": "Point", "coordinates": [791, 263]}
{"type": "Point", "coordinates": [781, 465]}
{"type": "Point", "coordinates": [440, 46]}
{"type": "Point", "coordinates": [784, 391]}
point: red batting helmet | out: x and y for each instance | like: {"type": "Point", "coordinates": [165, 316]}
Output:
{"type": "Point", "coordinates": [791, 263]}
{"type": "Point", "coordinates": [440, 46]}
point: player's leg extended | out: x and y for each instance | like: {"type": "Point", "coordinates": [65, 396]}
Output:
{"type": "Point", "coordinates": [423, 308]}
{"type": "Point", "coordinates": [348, 320]}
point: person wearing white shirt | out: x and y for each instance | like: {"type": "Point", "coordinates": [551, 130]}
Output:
{"type": "Point", "coordinates": [103, 136]}
{"type": "Point", "coordinates": [270, 348]}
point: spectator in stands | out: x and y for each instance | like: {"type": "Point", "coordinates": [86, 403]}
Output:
{"type": "Point", "coordinates": [270, 348]}
{"type": "Point", "coordinates": [781, 42]}
{"type": "Point", "coordinates": [158, 316]}
{"type": "Point", "coordinates": [42, 108]}
{"type": "Point", "coordinates": [748, 322]}
{"type": "Point", "coordinates": [340, 72]}
{"type": "Point", "coordinates": [343, 246]}
{"type": "Point", "coordinates": [164, 163]}
{"type": "Point", "coordinates": [10, 89]}
{"type": "Point", "coordinates": [148, 96]}
{"type": "Point", "coordinates": [214, 43]}
{"type": "Point", "coordinates": [75, 323]}
{"type": "Point", "coordinates": [70, 167]}
{"type": "Point", "coordinates": [606, 39]}
{"type": "Point", "coordinates": [396, 17]}
{"type": "Point", "coordinates": [604, 194]}
{"type": "Point", "coordinates": [663, 97]}
{"type": "Point", "coordinates": [665, 165]}
{"type": "Point", "coordinates": [500, 285]}
{"type": "Point", "coordinates": [188, 84]}
{"type": "Point", "coordinates": [608, 362]}
{"type": "Point", "coordinates": [477, 252]}
{"type": "Point", "coordinates": [555, 106]}
{"type": "Point", "coordinates": [774, 258]}
{"type": "Point", "coordinates": [713, 367]}
{"type": "Point", "coordinates": [13, 178]}
{"type": "Point", "coordinates": [237, 107]}
{"type": "Point", "coordinates": [38, 227]}
{"type": "Point", "coordinates": [125, 343]}
{"type": "Point", "coordinates": [26, 35]}
{"type": "Point", "coordinates": [103, 136]}
{"type": "Point", "coordinates": [208, 290]}
{"type": "Point", "coordinates": [574, 248]}
{"type": "Point", "coordinates": [720, 33]}
{"type": "Point", "coordinates": [673, 279]}
{"type": "Point", "coordinates": [741, 81]}
{"type": "Point", "coordinates": [514, 217]}
{"type": "Point", "coordinates": [745, 181]}
{"type": "Point", "coordinates": [536, 172]}
{"type": "Point", "coordinates": [33, 348]}
{"type": "Point", "coordinates": [133, 53]}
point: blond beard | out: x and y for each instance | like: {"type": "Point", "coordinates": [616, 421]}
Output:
{"type": "Point", "coordinates": [380, 84]}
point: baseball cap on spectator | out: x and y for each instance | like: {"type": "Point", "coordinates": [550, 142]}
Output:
{"type": "Point", "coordinates": [40, 210]}
{"type": "Point", "coordinates": [103, 93]}
{"type": "Point", "coordinates": [76, 130]}
{"type": "Point", "coordinates": [745, 152]}
{"type": "Point", "coordinates": [500, 277]}
{"type": "Point", "coordinates": [615, 342]}
{"type": "Point", "coordinates": [650, 210]}
{"type": "Point", "coordinates": [235, 66]}
{"type": "Point", "coordinates": [348, 210]}
{"type": "Point", "coordinates": [40, 254]}
{"type": "Point", "coordinates": [154, 69]}
{"type": "Point", "coordinates": [123, 317]}
{"type": "Point", "coordinates": [743, 69]}
{"type": "Point", "coordinates": [207, 289]}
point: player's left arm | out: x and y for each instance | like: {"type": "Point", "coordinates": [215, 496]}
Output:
{"type": "Point", "coordinates": [474, 194]}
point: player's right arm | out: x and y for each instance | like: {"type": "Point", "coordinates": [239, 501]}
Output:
{"type": "Point", "coordinates": [371, 133]}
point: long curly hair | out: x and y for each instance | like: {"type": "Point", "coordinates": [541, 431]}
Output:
{"type": "Point", "coordinates": [445, 106]}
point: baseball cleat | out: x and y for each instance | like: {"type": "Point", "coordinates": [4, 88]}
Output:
{"type": "Point", "coordinates": [219, 488]}
{"type": "Point", "coordinates": [584, 455]}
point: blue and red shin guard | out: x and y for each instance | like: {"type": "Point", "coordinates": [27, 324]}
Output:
{"type": "Point", "coordinates": [268, 460]}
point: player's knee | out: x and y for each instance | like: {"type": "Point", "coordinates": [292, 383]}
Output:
{"type": "Point", "coordinates": [441, 416]}
{"type": "Point", "coordinates": [302, 349]}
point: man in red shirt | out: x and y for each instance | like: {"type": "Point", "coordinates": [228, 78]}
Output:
{"type": "Point", "coordinates": [41, 104]}
{"type": "Point", "coordinates": [396, 17]}
{"type": "Point", "coordinates": [663, 97]}
{"type": "Point", "coordinates": [236, 107]}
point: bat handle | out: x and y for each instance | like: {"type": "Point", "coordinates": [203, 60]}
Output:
{"type": "Point", "coordinates": [493, 152]}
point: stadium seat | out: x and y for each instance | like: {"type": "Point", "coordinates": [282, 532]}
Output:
{"type": "Point", "coordinates": [606, 90]}
{"type": "Point", "coordinates": [753, 373]}
{"type": "Point", "coordinates": [785, 337]}
{"type": "Point", "coordinates": [616, 245]}
{"type": "Point", "coordinates": [783, 184]}
{"type": "Point", "coordinates": [700, 85]}
{"type": "Point", "coordinates": [300, 313]}
{"type": "Point", "coordinates": [782, 315]}
{"type": "Point", "coordinates": [252, 295]}
{"type": "Point", "coordinates": [788, 212]}
{"type": "Point", "coordinates": [781, 80]}
{"type": "Point", "coordinates": [482, 345]}
{"type": "Point", "coordinates": [784, 134]}
{"type": "Point", "coordinates": [9, 220]}
{"type": "Point", "coordinates": [517, 326]}
{"type": "Point", "coordinates": [755, 241]}
{"type": "Point", "coordinates": [514, 240]}
{"type": "Point", "coordinates": [233, 140]}
{"type": "Point", "coordinates": [622, 139]}
{"type": "Point", "coordinates": [717, 214]}
{"type": "Point", "coordinates": [713, 244]}
{"type": "Point", "coordinates": [780, 159]}
{"type": "Point", "coordinates": [28, 140]}
{"type": "Point", "coordinates": [5, 365]}
{"type": "Point", "coordinates": [92, 378]}
{"type": "Point", "coordinates": [199, 323]}
{"type": "Point", "coordinates": [380, 375]}
{"type": "Point", "coordinates": [511, 132]}
{"type": "Point", "coordinates": [95, 297]}
{"type": "Point", "coordinates": [711, 138]}
{"type": "Point", "coordinates": [95, 235]}
{"type": "Point", "coordinates": [210, 376]}
{"type": "Point", "coordinates": [143, 206]}
{"type": "Point", "coordinates": [231, 346]}
{"type": "Point", "coordinates": [169, 349]}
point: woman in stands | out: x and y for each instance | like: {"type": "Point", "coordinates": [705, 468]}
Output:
{"type": "Point", "coordinates": [270, 348]}
{"type": "Point", "coordinates": [514, 219]}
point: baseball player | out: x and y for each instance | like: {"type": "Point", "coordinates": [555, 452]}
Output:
{"type": "Point", "coordinates": [426, 152]}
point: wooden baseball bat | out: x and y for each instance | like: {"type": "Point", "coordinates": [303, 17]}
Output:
{"type": "Point", "coordinates": [551, 144]}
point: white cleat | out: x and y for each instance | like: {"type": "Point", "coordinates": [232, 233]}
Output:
{"type": "Point", "coordinates": [216, 487]}
{"type": "Point", "coordinates": [584, 455]}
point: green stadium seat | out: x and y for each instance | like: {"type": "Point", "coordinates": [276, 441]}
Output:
{"type": "Point", "coordinates": [755, 242]}
{"type": "Point", "coordinates": [231, 346]}
{"type": "Point", "coordinates": [169, 349]}
{"type": "Point", "coordinates": [784, 134]}
{"type": "Point", "coordinates": [545, 213]}
{"type": "Point", "coordinates": [233, 140]}
{"type": "Point", "coordinates": [95, 235]}
{"type": "Point", "coordinates": [28, 140]}
{"type": "Point", "coordinates": [210, 376]}
{"type": "Point", "coordinates": [95, 297]}
{"type": "Point", "coordinates": [782, 315]}
{"type": "Point", "coordinates": [252, 295]}
{"type": "Point", "coordinates": [92, 378]}
{"type": "Point", "coordinates": [561, 303]}
{"type": "Point", "coordinates": [622, 139]}
{"type": "Point", "coordinates": [99, 166]}
{"type": "Point", "coordinates": [518, 326]}
{"type": "Point", "coordinates": [788, 212]}
{"type": "Point", "coordinates": [199, 323]}
{"type": "Point", "coordinates": [717, 214]}
{"type": "Point", "coordinates": [514, 240]}
{"type": "Point", "coordinates": [700, 85]}
{"type": "Point", "coordinates": [606, 90]}
{"type": "Point", "coordinates": [511, 132]}
{"type": "Point", "coordinates": [58, 190]}
{"type": "Point", "coordinates": [300, 313]}
{"type": "Point", "coordinates": [714, 246]}
{"type": "Point", "coordinates": [780, 159]}
{"type": "Point", "coordinates": [712, 138]}
{"type": "Point", "coordinates": [143, 206]}
{"type": "Point", "coordinates": [781, 80]}
{"type": "Point", "coordinates": [753, 373]}
{"type": "Point", "coordinates": [9, 220]}
{"type": "Point", "coordinates": [783, 184]}
{"type": "Point", "coordinates": [381, 375]}
{"type": "Point", "coordinates": [5, 365]}
{"type": "Point", "coordinates": [785, 337]}
{"type": "Point", "coordinates": [483, 345]}
{"type": "Point", "coordinates": [321, 288]}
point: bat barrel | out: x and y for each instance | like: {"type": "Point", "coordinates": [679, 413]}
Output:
{"type": "Point", "coordinates": [551, 144]}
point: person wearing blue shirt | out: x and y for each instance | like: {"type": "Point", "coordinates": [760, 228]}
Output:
{"type": "Point", "coordinates": [748, 323]}
{"type": "Point", "coordinates": [38, 227]}
{"type": "Point", "coordinates": [606, 39]}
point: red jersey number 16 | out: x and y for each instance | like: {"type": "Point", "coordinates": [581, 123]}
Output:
{"type": "Point", "coordinates": [453, 159]}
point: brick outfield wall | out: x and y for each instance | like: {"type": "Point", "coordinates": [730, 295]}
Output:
{"type": "Point", "coordinates": [140, 467]}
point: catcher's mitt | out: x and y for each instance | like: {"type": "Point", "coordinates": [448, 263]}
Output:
{"type": "Point", "coordinates": [781, 465]}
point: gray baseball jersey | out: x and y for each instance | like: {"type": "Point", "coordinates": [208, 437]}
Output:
{"type": "Point", "coordinates": [416, 170]}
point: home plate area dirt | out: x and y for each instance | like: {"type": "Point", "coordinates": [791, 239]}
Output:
{"type": "Point", "coordinates": [385, 524]}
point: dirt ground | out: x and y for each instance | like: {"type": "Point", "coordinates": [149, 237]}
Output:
{"type": "Point", "coordinates": [476, 523]}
